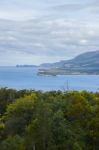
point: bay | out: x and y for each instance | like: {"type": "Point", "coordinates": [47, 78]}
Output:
{"type": "Point", "coordinates": [27, 78]}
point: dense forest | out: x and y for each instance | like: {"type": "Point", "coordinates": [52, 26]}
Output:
{"type": "Point", "coordinates": [55, 120]}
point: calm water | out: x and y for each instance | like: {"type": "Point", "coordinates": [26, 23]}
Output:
{"type": "Point", "coordinates": [26, 78]}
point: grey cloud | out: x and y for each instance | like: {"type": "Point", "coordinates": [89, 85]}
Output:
{"type": "Point", "coordinates": [60, 37]}
{"type": "Point", "coordinates": [70, 7]}
{"type": "Point", "coordinates": [85, 9]}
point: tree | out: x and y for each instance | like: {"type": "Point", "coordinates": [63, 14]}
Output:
{"type": "Point", "coordinates": [13, 143]}
{"type": "Point", "coordinates": [19, 115]}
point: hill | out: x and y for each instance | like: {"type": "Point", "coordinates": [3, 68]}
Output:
{"type": "Point", "coordinates": [86, 63]}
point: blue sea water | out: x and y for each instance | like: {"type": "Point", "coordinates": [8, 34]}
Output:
{"type": "Point", "coordinates": [27, 78]}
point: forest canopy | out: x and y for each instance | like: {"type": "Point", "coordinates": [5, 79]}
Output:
{"type": "Point", "coordinates": [55, 120]}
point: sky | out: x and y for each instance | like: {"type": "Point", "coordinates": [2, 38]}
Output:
{"type": "Point", "coordinates": [39, 31]}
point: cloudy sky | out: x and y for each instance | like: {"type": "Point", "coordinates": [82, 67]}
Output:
{"type": "Point", "coordinates": [38, 31]}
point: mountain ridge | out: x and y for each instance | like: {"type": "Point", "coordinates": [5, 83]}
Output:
{"type": "Point", "coordinates": [86, 63]}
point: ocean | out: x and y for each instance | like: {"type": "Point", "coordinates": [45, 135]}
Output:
{"type": "Point", "coordinates": [27, 78]}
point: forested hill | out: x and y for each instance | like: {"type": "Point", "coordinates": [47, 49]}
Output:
{"type": "Point", "coordinates": [87, 63]}
{"type": "Point", "coordinates": [35, 120]}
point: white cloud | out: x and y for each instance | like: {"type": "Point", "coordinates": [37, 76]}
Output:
{"type": "Point", "coordinates": [47, 38]}
{"type": "Point", "coordinates": [60, 30]}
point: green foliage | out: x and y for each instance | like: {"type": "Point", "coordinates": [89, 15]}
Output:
{"type": "Point", "coordinates": [8, 96]}
{"type": "Point", "coordinates": [19, 115]}
{"type": "Point", "coordinates": [33, 120]}
{"type": "Point", "coordinates": [13, 143]}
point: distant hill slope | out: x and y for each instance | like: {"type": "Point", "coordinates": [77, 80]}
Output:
{"type": "Point", "coordinates": [86, 63]}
